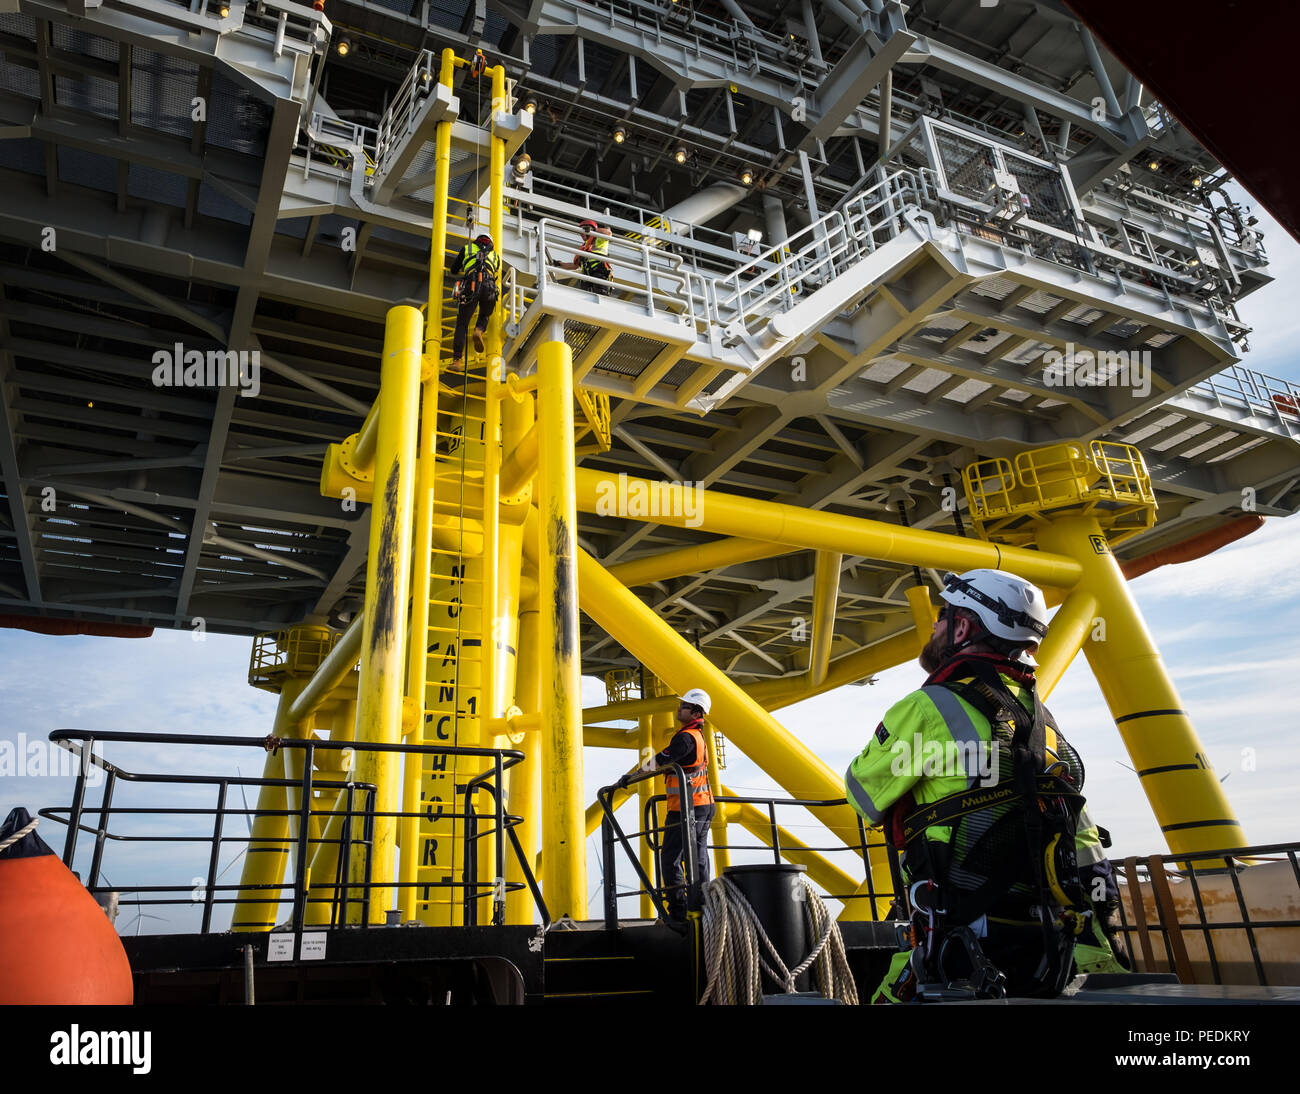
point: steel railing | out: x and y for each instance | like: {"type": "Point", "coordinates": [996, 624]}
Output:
{"type": "Point", "coordinates": [359, 815]}
{"type": "Point", "coordinates": [1203, 934]}
{"type": "Point", "coordinates": [652, 830]}
{"type": "Point", "coordinates": [1240, 388]}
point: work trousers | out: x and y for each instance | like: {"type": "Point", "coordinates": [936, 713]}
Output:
{"type": "Point", "coordinates": [672, 872]}
{"type": "Point", "coordinates": [483, 301]}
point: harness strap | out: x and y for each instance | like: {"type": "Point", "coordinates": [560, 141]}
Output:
{"type": "Point", "coordinates": [962, 802]}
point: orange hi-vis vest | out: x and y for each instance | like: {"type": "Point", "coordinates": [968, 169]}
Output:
{"type": "Point", "coordinates": [697, 774]}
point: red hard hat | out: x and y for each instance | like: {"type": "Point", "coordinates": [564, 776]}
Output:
{"type": "Point", "coordinates": [585, 223]}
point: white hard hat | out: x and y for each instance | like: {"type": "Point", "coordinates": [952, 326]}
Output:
{"type": "Point", "coordinates": [697, 697]}
{"type": "Point", "coordinates": [1009, 607]}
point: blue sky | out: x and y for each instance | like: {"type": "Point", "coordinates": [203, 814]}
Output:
{"type": "Point", "coordinates": [1225, 625]}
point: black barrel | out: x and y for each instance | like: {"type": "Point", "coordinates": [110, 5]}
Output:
{"type": "Point", "coordinates": [776, 893]}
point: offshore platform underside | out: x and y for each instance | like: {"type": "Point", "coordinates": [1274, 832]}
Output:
{"type": "Point", "coordinates": [892, 289]}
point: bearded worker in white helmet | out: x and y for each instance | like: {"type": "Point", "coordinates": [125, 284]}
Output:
{"type": "Point", "coordinates": [981, 795]}
{"type": "Point", "coordinates": [689, 749]}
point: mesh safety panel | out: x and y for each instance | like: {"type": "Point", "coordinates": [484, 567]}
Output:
{"type": "Point", "coordinates": [629, 355]}
{"type": "Point", "coordinates": [237, 119]}
{"type": "Point", "coordinates": [81, 41]}
{"type": "Point", "coordinates": [1042, 185]}
{"type": "Point", "coordinates": [162, 92]}
{"type": "Point", "coordinates": [20, 81]}
{"type": "Point", "coordinates": [967, 164]}
{"type": "Point", "coordinates": [87, 169]}
{"type": "Point", "coordinates": [89, 93]}
{"type": "Point", "coordinates": [26, 154]}
{"type": "Point", "coordinates": [161, 187]}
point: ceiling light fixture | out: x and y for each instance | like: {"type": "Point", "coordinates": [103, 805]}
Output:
{"type": "Point", "coordinates": [747, 175]}
{"type": "Point", "coordinates": [620, 134]}
{"type": "Point", "coordinates": [344, 47]}
{"type": "Point", "coordinates": [680, 154]}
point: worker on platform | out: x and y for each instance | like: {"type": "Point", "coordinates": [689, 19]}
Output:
{"type": "Point", "coordinates": [980, 793]}
{"type": "Point", "coordinates": [476, 268]}
{"type": "Point", "coordinates": [593, 258]}
{"type": "Point", "coordinates": [689, 750]}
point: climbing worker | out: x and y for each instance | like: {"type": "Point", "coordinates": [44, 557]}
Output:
{"type": "Point", "coordinates": [592, 257]}
{"type": "Point", "coordinates": [476, 267]}
{"type": "Point", "coordinates": [980, 793]}
{"type": "Point", "coordinates": [688, 749]}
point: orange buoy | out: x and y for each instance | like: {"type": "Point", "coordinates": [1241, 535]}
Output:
{"type": "Point", "coordinates": [56, 943]}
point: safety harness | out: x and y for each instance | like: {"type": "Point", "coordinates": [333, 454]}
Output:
{"type": "Point", "coordinates": [1010, 856]}
{"type": "Point", "coordinates": [592, 263]}
{"type": "Point", "coordinates": [478, 265]}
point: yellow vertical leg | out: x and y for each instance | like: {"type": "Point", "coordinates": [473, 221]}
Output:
{"type": "Point", "coordinates": [1185, 794]}
{"type": "Point", "coordinates": [430, 854]}
{"type": "Point", "coordinates": [563, 845]}
{"type": "Point", "coordinates": [268, 842]}
{"type": "Point", "coordinates": [417, 659]}
{"type": "Point", "coordinates": [519, 678]}
{"type": "Point", "coordinates": [379, 716]}
{"type": "Point", "coordinates": [324, 858]}
{"type": "Point", "coordinates": [524, 779]}
{"type": "Point", "coordinates": [267, 857]}
{"type": "Point", "coordinates": [645, 742]}
{"type": "Point", "coordinates": [655, 732]}
{"type": "Point", "coordinates": [718, 826]}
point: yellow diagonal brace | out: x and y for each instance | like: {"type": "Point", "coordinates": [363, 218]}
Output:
{"type": "Point", "coordinates": [730, 515]}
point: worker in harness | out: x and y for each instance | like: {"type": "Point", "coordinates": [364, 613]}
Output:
{"type": "Point", "coordinates": [688, 749]}
{"type": "Point", "coordinates": [593, 258]}
{"type": "Point", "coordinates": [981, 794]}
{"type": "Point", "coordinates": [476, 268]}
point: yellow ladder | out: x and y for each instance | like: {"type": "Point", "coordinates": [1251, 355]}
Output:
{"type": "Point", "coordinates": [455, 662]}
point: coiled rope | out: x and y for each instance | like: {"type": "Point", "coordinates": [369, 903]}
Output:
{"type": "Point", "coordinates": [29, 827]}
{"type": "Point", "coordinates": [737, 950]}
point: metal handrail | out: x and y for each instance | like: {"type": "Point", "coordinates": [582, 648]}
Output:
{"type": "Point", "coordinates": [82, 742]}
{"type": "Point", "coordinates": [1254, 391]}
{"type": "Point", "coordinates": [398, 121]}
{"type": "Point", "coordinates": [610, 829]}
{"type": "Point", "coordinates": [612, 833]}
{"type": "Point", "coordinates": [1194, 868]}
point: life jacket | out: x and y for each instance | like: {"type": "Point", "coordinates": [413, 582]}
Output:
{"type": "Point", "coordinates": [697, 773]}
{"type": "Point", "coordinates": [478, 265]}
{"type": "Point", "coordinates": [1011, 851]}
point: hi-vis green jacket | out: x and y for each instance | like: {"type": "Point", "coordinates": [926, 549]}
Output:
{"type": "Point", "coordinates": [933, 743]}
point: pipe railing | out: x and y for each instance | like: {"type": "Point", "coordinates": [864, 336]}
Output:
{"type": "Point", "coordinates": [777, 844]}
{"type": "Point", "coordinates": [342, 891]}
